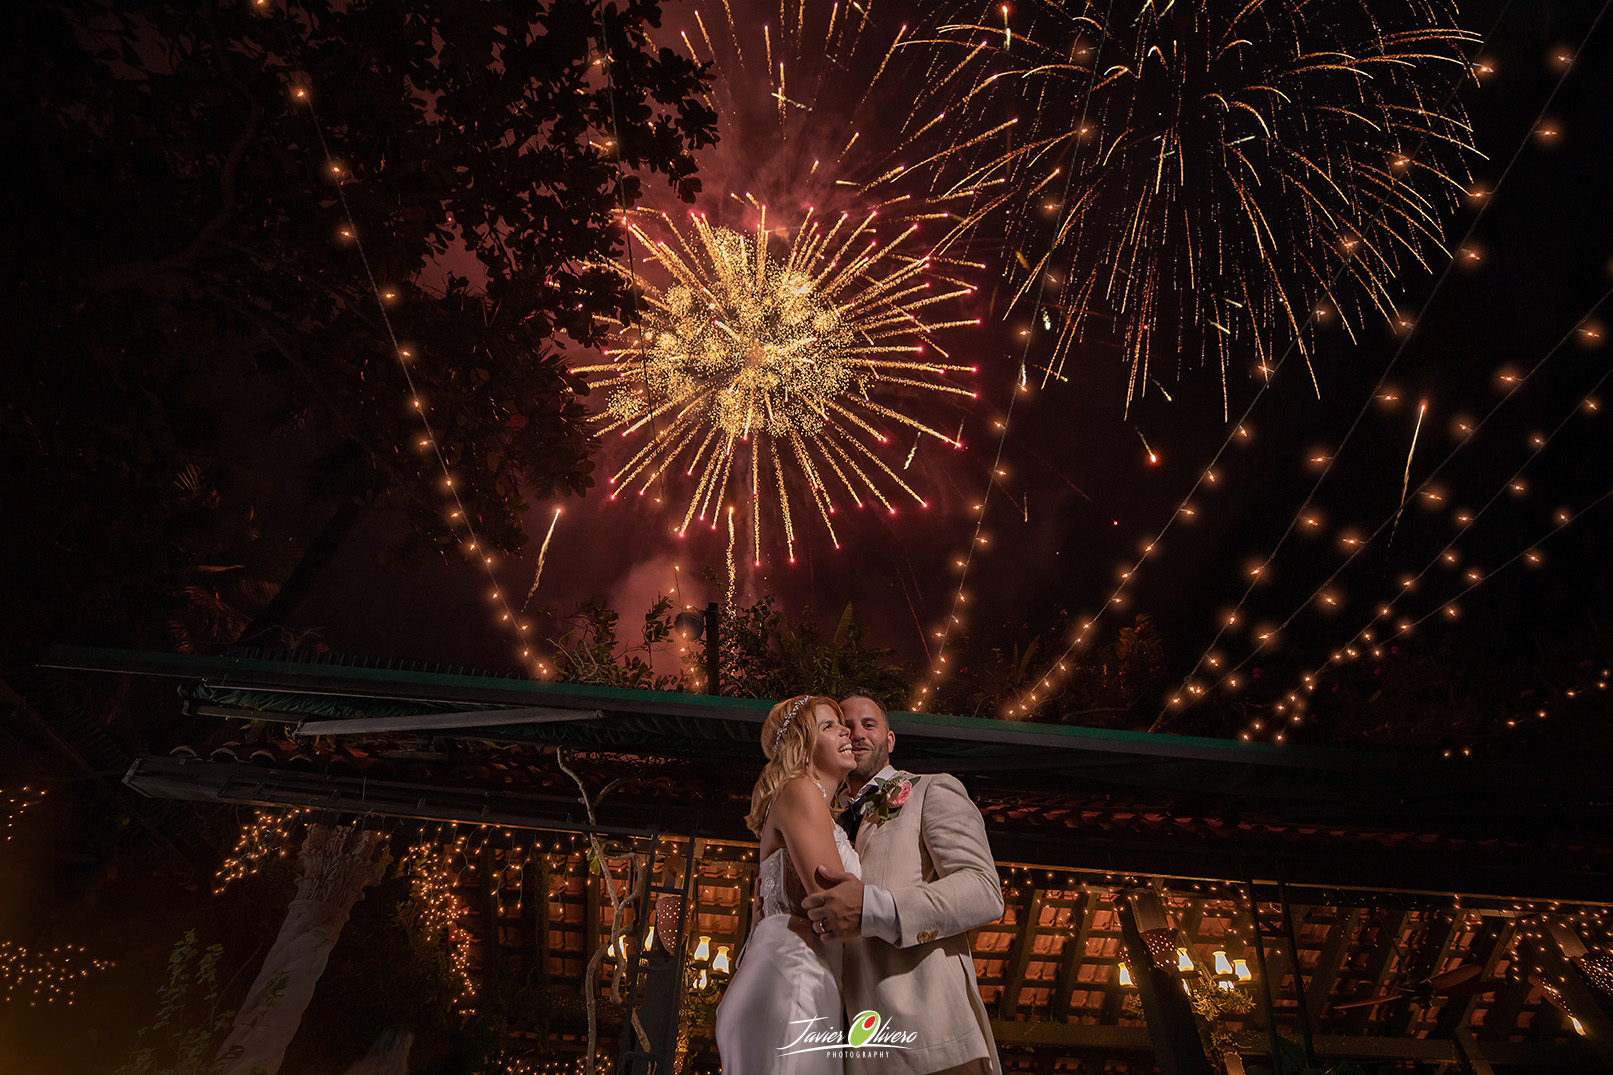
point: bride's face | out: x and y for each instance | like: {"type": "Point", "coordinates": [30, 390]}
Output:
{"type": "Point", "coordinates": [831, 752]}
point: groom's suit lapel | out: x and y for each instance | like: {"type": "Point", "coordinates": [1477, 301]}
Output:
{"type": "Point", "coordinates": [871, 832]}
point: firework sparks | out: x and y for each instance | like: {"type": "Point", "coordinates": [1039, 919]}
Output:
{"type": "Point", "coordinates": [753, 359]}
{"type": "Point", "coordinates": [543, 553]}
{"type": "Point", "coordinates": [733, 570]}
{"type": "Point", "coordinates": [822, 72]}
{"type": "Point", "coordinates": [1405, 479]}
{"type": "Point", "coordinates": [1202, 176]}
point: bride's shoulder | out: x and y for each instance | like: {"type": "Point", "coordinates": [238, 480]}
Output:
{"type": "Point", "coordinates": [799, 793]}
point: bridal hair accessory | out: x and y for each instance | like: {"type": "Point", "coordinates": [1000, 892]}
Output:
{"type": "Point", "coordinates": [794, 709]}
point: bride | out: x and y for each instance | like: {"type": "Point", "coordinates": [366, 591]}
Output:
{"type": "Point", "coordinates": [787, 982]}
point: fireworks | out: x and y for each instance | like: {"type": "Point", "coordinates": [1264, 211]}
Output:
{"type": "Point", "coordinates": [775, 366]}
{"type": "Point", "coordinates": [758, 357]}
{"type": "Point", "coordinates": [1219, 176]}
{"type": "Point", "coordinates": [793, 97]}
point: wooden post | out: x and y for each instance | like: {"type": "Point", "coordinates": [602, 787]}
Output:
{"type": "Point", "coordinates": [713, 652]}
{"type": "Point", "coordinates": [1166, 1007]}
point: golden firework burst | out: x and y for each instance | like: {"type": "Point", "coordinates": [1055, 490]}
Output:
{"type": "Point", "coordinates": [1218, 177]}
{"type": "Point", "coordinates": [758, 355]}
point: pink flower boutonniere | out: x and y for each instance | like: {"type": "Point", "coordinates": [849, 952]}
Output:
{"type": "Point", "coordinates": [888, 801]}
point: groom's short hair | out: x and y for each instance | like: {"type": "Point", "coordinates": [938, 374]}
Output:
{"type": "Point", "coordinates": [864, 692]}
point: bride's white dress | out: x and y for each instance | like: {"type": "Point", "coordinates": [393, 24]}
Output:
{"type": "Point", "coordinates": [785, 977]}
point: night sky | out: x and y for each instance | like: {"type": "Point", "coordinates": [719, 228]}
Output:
{"type": "Point", "coordinates": [1079, 495]}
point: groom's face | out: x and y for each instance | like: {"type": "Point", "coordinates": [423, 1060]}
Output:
{"type": "Point", "coordinates": [871, 737]}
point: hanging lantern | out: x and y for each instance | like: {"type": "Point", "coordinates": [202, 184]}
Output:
{"type": "Point", "coordinates": [720, 964]}
{"type": "Point", "coordinates": [1125, 977]}
{"type": "Point", "coordinates": [1241, 969]}
{"type": "Point", "coordinates": [702, 950]}
{"type": "Point", "coordinates": [666, 922]}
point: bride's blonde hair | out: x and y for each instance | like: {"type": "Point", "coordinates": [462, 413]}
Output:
{"type": "Point", "coordinates": [788, 735]}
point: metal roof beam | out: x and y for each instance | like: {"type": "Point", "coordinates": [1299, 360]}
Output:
{"type": "Point", "coordinates": [442, 722]}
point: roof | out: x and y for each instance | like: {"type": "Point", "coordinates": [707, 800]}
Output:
{"type": "Point", "coordinates": [473, 745]}
{"type": "Point", "coordinates": [1395, 868]}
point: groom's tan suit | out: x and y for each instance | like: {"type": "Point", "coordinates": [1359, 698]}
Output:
{"type": "Point", "coordinates": [933, 859]}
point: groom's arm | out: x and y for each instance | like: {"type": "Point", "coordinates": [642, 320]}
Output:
{"type": "Point", "coordinates": [967, 891]}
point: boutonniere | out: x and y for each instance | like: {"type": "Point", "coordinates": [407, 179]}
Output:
{"type": "Point", "coordinates": [888, 800]}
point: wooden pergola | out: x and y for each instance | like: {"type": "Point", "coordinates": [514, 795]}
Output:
{"type": "Point", "coordinates": [1334, 877]}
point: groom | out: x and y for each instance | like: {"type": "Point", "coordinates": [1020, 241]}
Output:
{"type": "Point", "coordinates": [927, 879]}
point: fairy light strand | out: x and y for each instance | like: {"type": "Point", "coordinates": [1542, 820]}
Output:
{"type": "Point", "coordinates": [46, 976]}
{"type": "Point", "coordinates": [1240, 431]}
{"type": "Point", "coordinates": [954, 618]}
{"type": "Point", "coordinates": [1561, 522]}
{"type": "Point", "coordinates": [508, 616]}
{"type": "Point", "coordinates": [15, 806]}
{"type": "Point", "coordinates": [1358, 546]}
{"type": "Point", "coordinates": [264, 836]}
{"type": "Point", "coordinates": [1227, 622]}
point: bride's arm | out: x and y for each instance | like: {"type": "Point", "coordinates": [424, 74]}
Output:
{"type": "Point", "coordinates": [803, 820]}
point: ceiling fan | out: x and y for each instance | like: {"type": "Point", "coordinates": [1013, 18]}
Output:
{"type": "Point", "coordinates": [1458, 982]}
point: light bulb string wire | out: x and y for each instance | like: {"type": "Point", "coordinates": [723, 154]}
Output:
{"type": "Point", "coordinates": [1236, 430]}
{"type": "Point", "coordinates": [1405, 628]}
{"type": "Point", "coordinates": [1422, 486]}
{"type": "Point", "coordinates": [1439, 555]}
{"type": "Point", "coordinates": [476, 544]}
{"type": "Point", "coordinates": [1018, 383]}
{"type": "Point", "coordinates": [1293, 523]}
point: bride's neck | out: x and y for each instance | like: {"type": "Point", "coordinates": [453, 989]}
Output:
{"type": "Point", "coordinates": [824, 787]}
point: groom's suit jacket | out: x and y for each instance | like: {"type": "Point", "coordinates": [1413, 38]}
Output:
{"type": "Point", "coordinates": [933, 858]}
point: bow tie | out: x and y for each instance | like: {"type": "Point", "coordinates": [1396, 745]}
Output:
{"type": "Point", "coordinates": [851, 818]}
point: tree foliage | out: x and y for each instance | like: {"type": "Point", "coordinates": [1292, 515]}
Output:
{"type": "Point", "coordinates": [765, 656]}
{"type": "Point", "coordinates": [761, 654]}
{"type": "Point", "coordinates": [191, 300]}
{"type": "Point", "coordinates": [1098, 689]}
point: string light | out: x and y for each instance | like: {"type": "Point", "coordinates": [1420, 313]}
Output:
{"type": "Point", "coordinates": [1025, 705]}
{"type": "Point", "coordinates": [1406, 626]}
{"type": "Point", "coordinates": [1538, 443]}
{"type": "Point", "coordinates": [459, 518]}
{"type": "Point", "coordinates": [47, 977]}
{"type": "Point", "coordinates": [266, 835]}
{"type": "Point", "coordinates": [440, 910]}
{"type": "Point", "coordinates": [15, 806]}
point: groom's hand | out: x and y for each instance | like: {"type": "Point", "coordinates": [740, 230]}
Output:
{"type": "Point", "coordinates": [837, 911]}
